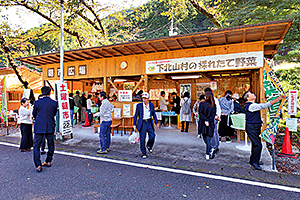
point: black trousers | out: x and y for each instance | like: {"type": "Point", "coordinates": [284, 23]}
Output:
{"type": "Point", "coordinates": [224, 129]}
{"type": "Point", "coordinates": [37, 145]}
{"type": "Point", "coordinates": [253, 131]}
{"type": "Point", "coordinates": [26, 140]}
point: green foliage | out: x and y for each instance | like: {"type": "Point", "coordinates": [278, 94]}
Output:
{"type": "Point", "coordinates": [290, 78]}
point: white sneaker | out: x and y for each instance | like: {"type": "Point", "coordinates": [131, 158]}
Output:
{"type": "Point", "coordinates": [206, 156]}
{"type": "Point", "coordinates": [144, 156]}
{"type": "Point", "coordinates": [199, 136]}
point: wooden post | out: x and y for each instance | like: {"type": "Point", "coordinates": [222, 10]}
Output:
{"type": "Point", "coordinates": [137, 85]}
{"type": "Point", "coordinates": [71, 86]}
{"type": "Point", "coordinates": [262, 97]}
{"type": "Point", "coordinates": [105, 84]}
{"type": "Point", "coordinates": [44, 82]}
{"type": "Point", "coordinates": [113, 84]}
{"type": "Point", "coordinates": [146, 83]}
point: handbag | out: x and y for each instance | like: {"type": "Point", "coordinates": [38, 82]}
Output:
{"type": "Point", "coordinates": [134, 138]}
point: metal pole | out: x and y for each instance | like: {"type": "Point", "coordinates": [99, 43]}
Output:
{"type": "Point", "coordinates": [61, 41]}
{"type": "Point", "coordinates": [273, 156]}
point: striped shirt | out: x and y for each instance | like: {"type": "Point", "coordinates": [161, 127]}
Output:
{"type": "Point", "coordinates": [106, 110]}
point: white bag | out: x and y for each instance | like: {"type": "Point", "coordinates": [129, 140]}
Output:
{"type": "Point", "coordinates": [134, 138]}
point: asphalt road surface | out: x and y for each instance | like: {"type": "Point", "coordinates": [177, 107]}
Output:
{"type": "Point", "coordinates": [76, 177]}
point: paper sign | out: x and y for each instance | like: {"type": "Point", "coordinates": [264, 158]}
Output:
{"type": "Point", "coordinates": [291, 123]}
{"type": "Point", "coordinates": [292, 107]}
{"type": "Point", "coordinates": [117, 112]}
{"type": "Point", "coordinates": [125, 95]}
{"type": "Point", "coordinates": [126, 109]}
{"type": "Point", "coordinates": [64, 109]}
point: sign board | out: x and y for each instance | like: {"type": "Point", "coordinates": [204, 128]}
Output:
{"type": "Point", "coordinates": [125, 95]}
{"type": "Point", "coordinates": [204, 63]}
{"type": "Point", "coordinates": [126, 109]}
{"type": "Point", "coordinates": [64, 109]}
{"type": "Point", "coordinates": [292, 107]}
{"type": "Point", "coordinates": [291, 123]}
{"type": "Point", "coordinates": [117, 112]}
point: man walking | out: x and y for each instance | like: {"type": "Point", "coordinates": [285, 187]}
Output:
{"type": "Point", "coordinates": [44, 111]}
{"type": "Point", "coordinates": [105, 114]}
{"type": "Point", "coordinates": [253, 125]}
{"type": "Point", "coordinates": [145, 112]}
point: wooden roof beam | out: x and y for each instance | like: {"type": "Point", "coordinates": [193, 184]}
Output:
{"type": "Point", "coordinates": [96, 52]}
{"type": "Point", "coordinates": [244, 36]}
{"type": "Point", "coordinates": [107, 52]}
{"type": "Point", "coordinates": [273, 42]}
{"type": "Point", "coordinates": [140, 48]}
{"type": "Point", "coordinates": [225, 37]}
{"type": "Point", "coordinates": [263, 34]}
{"type": "Point", "coordinates": [53, 59]}
{"type": "Point", "coordinates": [165, 45]}
{"type": "Point", "coordinates": [89, 54]}
{"type": "Point", "coordinates": [270, 52]}
{"type": "Point", "coordinates": [116, 50]}
{"type": "Point", "coordinates": [209, 40]}
{"type": "Point", "coordinates": [130, 51]}
{"type": "Point", "coordinates": [35, 61]}
{"type": "Point", "coordinates": [77, 54]}
{"type": "Point", "coordinates": [181, 47]}
{"type": "Point", "coordinates": [194, 42]}
{"type": "Point", "coordinates": [32, 62]}
{"type": "Point", "coordinates": [45, 60]}
{"type": "Point", "coordinates": [209, 77]}
{"type": "Point", "coordinates": [284, 33]}
{"type": "Point", "coordinates": [73, 58]}
{"type": "Point", "coordinates": [152, 46]}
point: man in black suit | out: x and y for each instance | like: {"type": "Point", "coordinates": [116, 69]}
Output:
{"type": "Point", "coordinates": [44, 111]}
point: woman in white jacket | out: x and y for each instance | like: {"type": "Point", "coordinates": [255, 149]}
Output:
{"type": "Point", "coordinates": [26, 126]}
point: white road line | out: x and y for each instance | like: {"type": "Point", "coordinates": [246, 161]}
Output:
{"type": "Point", "coordinates": [178, 171]}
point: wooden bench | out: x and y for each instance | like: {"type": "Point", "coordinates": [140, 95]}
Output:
{"type": "Point", "coordinates": [127, 123]}
{"type": "Point", "coordinates": [112, 127]}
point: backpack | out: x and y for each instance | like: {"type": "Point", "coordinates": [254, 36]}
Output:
{"type": "Point", "coordinates": [186, 109]}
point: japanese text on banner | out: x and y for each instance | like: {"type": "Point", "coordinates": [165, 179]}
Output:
{"type": "Point", "coordinates": [64, 109]}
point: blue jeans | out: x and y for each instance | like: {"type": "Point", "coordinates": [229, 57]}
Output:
{"type": "Point", "coordinates": [104, 135]}
{"type": "Point", "coordinates": [72, 115]}
{"type": "Point", "coordinates": [215, 139]}
{"type": "Point", "coordinates": [146, 127]}
{"type": "Point", "coordinates": [37, 145]}
{"type": "Point", "coordinates": [207, 141]}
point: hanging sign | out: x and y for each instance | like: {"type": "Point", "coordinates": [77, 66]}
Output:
{"type": "Point", "coordinates": [204, 63]}
{"type": "Point", "coordinates": [125, 95]}
{"type": "Point", "coordinates": [292, 107]}
{"type": "Point", "coordinates": [64, 109]}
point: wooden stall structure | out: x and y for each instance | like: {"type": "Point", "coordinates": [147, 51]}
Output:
{"type": "Point", "coordinates": [226, 59]}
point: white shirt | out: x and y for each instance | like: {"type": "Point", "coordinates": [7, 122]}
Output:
{"type": "Point", "coordinates": [218, 108]}
{"type": "Point", "coordinates": [89, 103]}
{"type": "Point", "coordinates": [25, 115]}
{"type": "Point", "coordinates": [162, 103]}
{"type": "Point", "coordinates": [146, 111]}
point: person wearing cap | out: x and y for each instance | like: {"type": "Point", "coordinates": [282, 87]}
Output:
{"type": "Point", "coordinates": [253, 125]}
{"type": "Point", "coordinates": [227, 106]}
{"type": "Point", "coordinates": [143, 123]}
{"type": "Point", "coordinates": [25, 115]}
{"type": "Point", "coordinates": [105, 115]}
{"type": "Point", "coordinates": [237, 106]}
{"type": "Point", "coordinates": [44, 112]}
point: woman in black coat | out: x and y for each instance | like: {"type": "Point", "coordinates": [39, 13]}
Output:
{"type": "Point", "coordinates": [207, 113]}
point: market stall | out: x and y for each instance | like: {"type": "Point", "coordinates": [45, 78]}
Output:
{"type": "Point", "coordinates": [224, 59]}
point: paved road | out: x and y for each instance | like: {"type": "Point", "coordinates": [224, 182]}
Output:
{"type": "Point", "coordinates": [80, 178]}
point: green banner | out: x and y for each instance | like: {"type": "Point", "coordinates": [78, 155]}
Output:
{"type": "Point", "coordinates": [273, 89]}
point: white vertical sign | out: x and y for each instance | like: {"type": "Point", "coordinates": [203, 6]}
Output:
{"type": "Point", "coordinates": [64, 109]}
{"type": "Point", "coordinates": [292, 107]}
